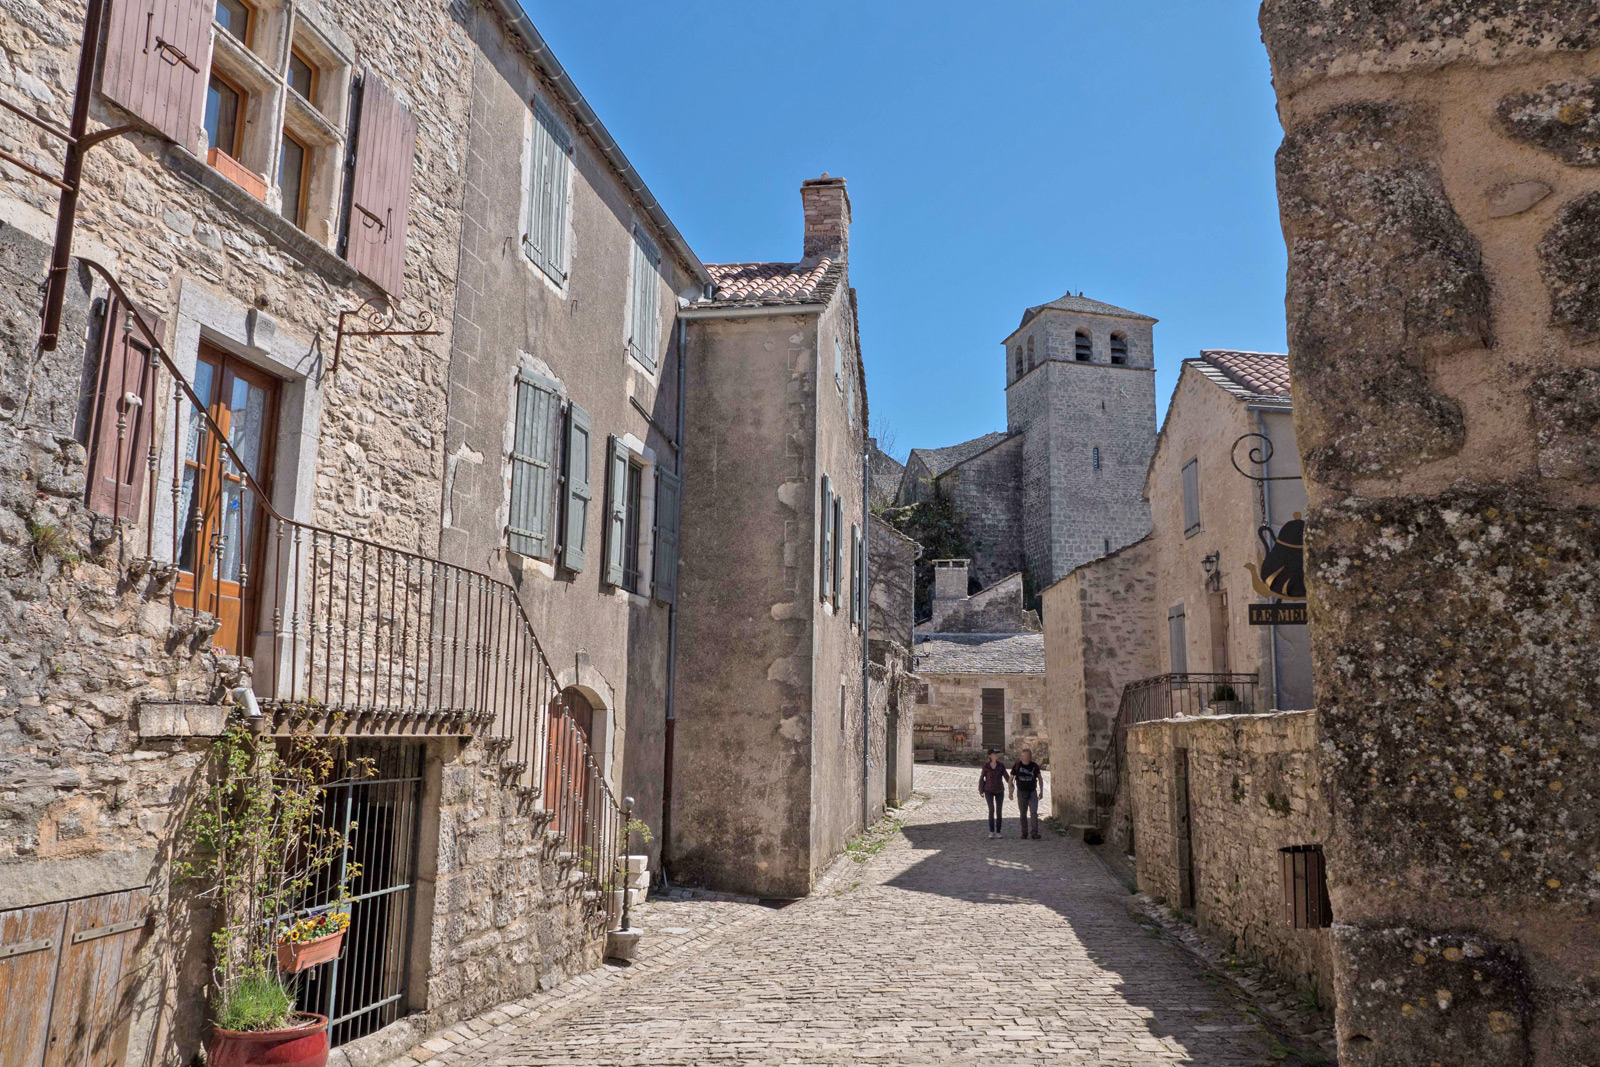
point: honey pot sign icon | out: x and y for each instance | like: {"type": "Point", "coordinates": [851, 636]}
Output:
{"type": "Point", "coordinates": [1283, 566]}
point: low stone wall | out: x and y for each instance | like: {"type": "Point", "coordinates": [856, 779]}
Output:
{"type": "Point", "coordinates": [1252, 788]}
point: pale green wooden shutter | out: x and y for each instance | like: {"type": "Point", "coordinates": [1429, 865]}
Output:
{"type": "Point", "coordinates": [549, 166]}
{"type": "Point", "coordinates": [825, 543]}
{"type": "Point", "coordinates": [838, 549]}
{"type": "Point", "coordinates": [616, 508]}
{"type": "Point", "coordinates": [855, 573]}
{"type": "Point", "coordinates": [529, 529]}
{"type": "Point", "coordinates": [577, 483]}
{"type": "Point", "coordinates": [642, 338]}
{"type": "Point", "coordinates": [669, 494]}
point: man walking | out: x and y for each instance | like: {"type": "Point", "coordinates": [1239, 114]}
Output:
{"type": "Point", "coordinates": [992, 782]}
{"type": "Point", "coordinates": [1028, 777]}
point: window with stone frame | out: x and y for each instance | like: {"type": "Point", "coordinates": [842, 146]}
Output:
{"type": "Point", "coordinates": [1018, 363]}
{"type": "Point", "coordinates": [275, 110]}
{"type": "Point", "coordinates": [1119, 350]}
{"type": "Point", "coordinates": [1031, 363]}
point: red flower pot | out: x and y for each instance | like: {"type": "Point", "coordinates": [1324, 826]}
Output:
{"type": "Point", "coordinates": [304, 1045]}
{"type": "Point", "coordinates": [297, 956]}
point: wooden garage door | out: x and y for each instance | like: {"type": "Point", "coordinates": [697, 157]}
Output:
{"type": "Point", "coordinates": [67, 979]}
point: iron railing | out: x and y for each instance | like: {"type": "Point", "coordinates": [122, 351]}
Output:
{"type": "Point", "coordinates": [345, 634]}
{"type": "Point", "coordinates": [1166, 696]}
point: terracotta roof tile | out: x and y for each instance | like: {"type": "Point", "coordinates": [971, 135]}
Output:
{"type": "Point", "coordinates": [765, 284]}
{"type": "Point", "coordinates": [1258, 374]}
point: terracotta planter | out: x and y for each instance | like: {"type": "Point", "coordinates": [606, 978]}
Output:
{"type": "Point", "coordinates": [297, 956]}
{"type": "Point", "coordinates": [235, 172]}
{"type": "Point", "coordinates": [304, 1045]}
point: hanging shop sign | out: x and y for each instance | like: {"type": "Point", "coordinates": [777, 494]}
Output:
{"type": "Point", "coordinates": [1282, 575]}
{"type": "Point", "coordinates": [1286, 614]}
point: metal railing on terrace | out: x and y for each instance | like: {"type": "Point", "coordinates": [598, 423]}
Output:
{"type": "Point", "coordinates": [340, 633]}
{"type": "Point", "coordinates": [1167, 696]}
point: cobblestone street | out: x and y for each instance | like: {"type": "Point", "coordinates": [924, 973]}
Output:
{"type": "Point", "coordinates": [943, 947]}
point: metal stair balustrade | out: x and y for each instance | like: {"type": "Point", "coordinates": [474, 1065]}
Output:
{"type": "Point", "coordinates": [342, 634]}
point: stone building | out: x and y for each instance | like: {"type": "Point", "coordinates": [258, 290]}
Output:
{"type": "Point", "coordinates": [565, 256]}
{"type": "Point", "coordinates": [328, 440]}
{"type": "Point", "coordinates": [891, 601]}
{"type": "Point", "coordinates": [773, 746]}
{"type": "Point", "coordinates": [1062, 485]}
{"type": "Point", "coordinates": [1439, 194]}
{"type": "Point", "coordinates": [980, 670]}
{"type": "Point", "coordinates": [1176, 602]}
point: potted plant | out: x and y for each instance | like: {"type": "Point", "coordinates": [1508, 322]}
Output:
{"type": "Point", "coordinates": [312, 940]}
{"type": "Point", "coordinates": [263, 858]}
{"type": "Point", "coordinates": [1224, 701]}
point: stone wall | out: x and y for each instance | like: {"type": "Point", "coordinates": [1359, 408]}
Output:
{"type": "Point", "coordinates": [995, 610]}
{"type": "Point", "coordinates": [1100, 633]}
{"type": "Point", "coordinates": [1437, 188]}
{"type": "Point", "coordinates": [956, 700]}
{"type": "Point", "coordinates": [1252, 788]}
{"type": "Point", "coordinates": [985, 493]}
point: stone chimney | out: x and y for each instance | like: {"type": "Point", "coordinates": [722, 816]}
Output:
{"type": "Point", "coordinates": [827, 208]}
{"type": "Point", "coordinates": [949, 587]}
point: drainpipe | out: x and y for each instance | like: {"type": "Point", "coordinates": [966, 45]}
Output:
{"type": "Point", "coordinates": [672, 619]}
{"type": "Point", "coordinates": [1266, 518]}
{"type": "Point", "coordinates": [866, 625]}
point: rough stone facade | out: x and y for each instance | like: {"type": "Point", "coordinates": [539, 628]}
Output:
{"type": "Point", "coordinates": [1209, 412]}
{"type": "Point", "coordinates": [772, 749]}
{"type": "Point", "coordinates": [954, 671]}
{"type": "Point", "coordinates": [1439, 313]}
{"type": "Point", "coordinates": [1100, 634]}
{"type": "Point", "coordinates": [985, 492]}
{"type": "Point", "coordinates": [1252, 787]}
{"type": "Point", "coordinates": [512, 316]}
{"type": "Point", "coordinates": [996, 609]}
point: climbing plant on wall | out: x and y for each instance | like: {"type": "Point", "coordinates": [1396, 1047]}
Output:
{"type": "Point", "coordinates": [935, 525]}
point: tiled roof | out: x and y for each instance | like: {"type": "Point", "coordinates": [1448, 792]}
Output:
{"type": "Point", "coordinates": [979, 654]}
{"type": "Point", "coordinates": [769, 284]}
{"type": "Point", "coordinates": [939, 460]}
{"type": "Point", "coordinates": [1251, 375]}
{"type": "Point", "coordinates": [1085, 305]}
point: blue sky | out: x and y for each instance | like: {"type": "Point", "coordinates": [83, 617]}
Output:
{"type": "Point", "coordinates": [998, 156]}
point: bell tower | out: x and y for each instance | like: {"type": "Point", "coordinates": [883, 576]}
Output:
{"type": "Point", "coordinates": [1080, 377]}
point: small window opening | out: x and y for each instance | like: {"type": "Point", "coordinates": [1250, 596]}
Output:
{"type": "Point", "coordinates": [1082, 347]}
{"type": "Point", "coordinates": [1031, 364]}
{"type": "Point", "coordinates": [234, 16]}
{"type": "Point", "coordinates": [1108, 546]}
{"type": "Point", "coordinates": [1119, 349]}
{"type": "Point", "coordinates": [1019, 361]}
{"type": "Point", "coordinates": [1097, 457]}
{"type": "Point", "coordinates": [302, 76]}
{"type": "Point", "coordinates": [1027, 720]}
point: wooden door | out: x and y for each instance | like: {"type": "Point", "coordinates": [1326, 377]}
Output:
{"type": "Point", "coordinates": [994, 719]}
{"type": "Point", "coordinates": [68, 980]}
{"type": "Point", "coordinates": [566, 777]}
{"type": "Point", "coordinates": [221, 552]}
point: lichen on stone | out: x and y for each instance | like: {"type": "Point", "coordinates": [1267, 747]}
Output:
{"type": "Point", "coordinates": [1480, 601]}
{"type": "Point", "coordinates": [1570, 264]}
{"type": "Point", "coordinates": [1384, 278]}
{"type": "Point", "coordinates": [1563, 118]}
{"type": "Point", "coordinates": [1564, 414]}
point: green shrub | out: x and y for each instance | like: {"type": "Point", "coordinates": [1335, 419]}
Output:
{"type": "Point", "coordinates": [255, 1002]}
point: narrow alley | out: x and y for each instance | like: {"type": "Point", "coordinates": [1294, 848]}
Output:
{"type": "Point", "coordinates": [942, 947]}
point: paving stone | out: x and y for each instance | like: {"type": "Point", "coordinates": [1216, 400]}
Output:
{"type": "Point", "coordinates": [945, 948]}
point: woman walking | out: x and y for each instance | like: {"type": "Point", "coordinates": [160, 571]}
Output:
{"type": "Point", "coordinates": [993, 778]}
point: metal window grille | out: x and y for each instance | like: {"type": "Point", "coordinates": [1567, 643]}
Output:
{"type": "Point", "coordinates": [378, 815]}
{"type": "Point", "coordinates": [1305, 887]}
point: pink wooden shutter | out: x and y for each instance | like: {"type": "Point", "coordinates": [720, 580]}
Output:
{"type": "Point", "coordinates": [126, 393]}
{"type": "Point", "coordinates": [157, 55]}
{"type": "Point", "coordinates": [380, 196]}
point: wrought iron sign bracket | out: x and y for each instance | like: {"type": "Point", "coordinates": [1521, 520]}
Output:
{"type": "Point", "coordinates": [1260, 455]}
{"type": "Point", "coordinates": [78, 141]}
{"type": "Point", "coordinates": [382, 325]}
